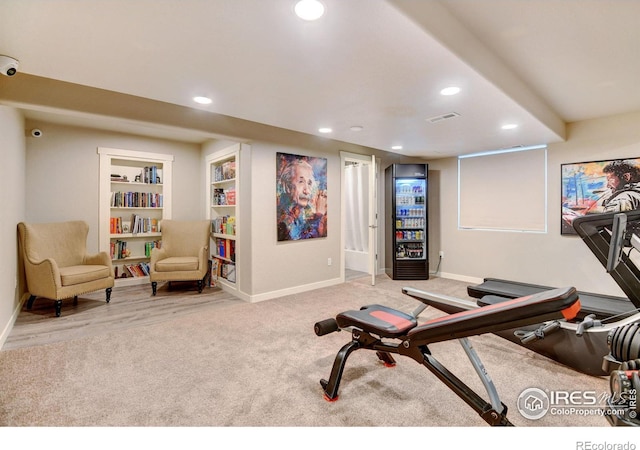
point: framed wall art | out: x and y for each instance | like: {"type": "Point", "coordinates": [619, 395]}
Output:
{"type": "Point", "coordinates": [301, 197]}
{"type": "Point", "coordinates": [599, 187]}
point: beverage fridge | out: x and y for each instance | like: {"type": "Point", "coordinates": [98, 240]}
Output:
{"type": "Point", "coordinates": [406, 243]}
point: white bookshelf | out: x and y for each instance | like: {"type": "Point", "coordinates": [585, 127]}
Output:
{"type": "Point", "coordinates": [133, 184]}
{"type": "Point", "coordinates": [223, 206]}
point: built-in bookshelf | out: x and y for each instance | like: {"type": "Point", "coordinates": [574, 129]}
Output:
{"type": "Point", "coordinates": [222, 211]}
{"type": "Point", "coordinates": [135, 196]}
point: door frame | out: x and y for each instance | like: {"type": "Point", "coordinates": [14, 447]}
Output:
{"type": "Point", "coordinates": [373, 210]}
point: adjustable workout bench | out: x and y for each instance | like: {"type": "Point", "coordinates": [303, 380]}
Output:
{"type": "Point", "coordinates": [387, 331]}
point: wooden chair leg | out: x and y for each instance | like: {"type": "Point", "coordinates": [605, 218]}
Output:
{"type": "Point", "coordinates": [30, 301]}
{"type": "Point", "coordinates": [109, 294]}
{"type": "Point", "coordinates": [154, 287]}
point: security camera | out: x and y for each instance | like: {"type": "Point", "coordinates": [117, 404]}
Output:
{"type": "Point", "coordinates": [8, 65]}
{"type": "Point", "coordinates": [36, 132]}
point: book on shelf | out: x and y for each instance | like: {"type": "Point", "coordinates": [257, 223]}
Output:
{"type": "Point", "coordinates": [225, 171]}
{"type": "Point", "coordinates": [231, 272]}
{"type": "Point", "coordinates": [139, 225]}
{"type": "Point", "coordinates": [231, 196]}
{"type": "Point", "coordinates": [230, 226]}
{"type": "Point", "coordinates": [150, 175]}
{"type": "Point", "coordinates": [135, 225]}
{"type": "Point", "coordinates": [224, 197]}
{"type": "Point", "coordinates": [226, 248]}
{"type": "Point", "coordinates": [134, 270]}
{"type": "Point", "coordinates": [118, 249]}
{"type": "Point", "coordinates": [224, 225]}
{"type": "Point", "coordinates": [223, 269]}
{"type": "Point", "coordinates": [150, 245]}
{"type": "Point", "coordinates": [138, 270]}
{"type": "Point", "coordinates": [145, 268]}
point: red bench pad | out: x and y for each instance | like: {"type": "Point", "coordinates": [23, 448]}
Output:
{"type": "Point", "coordinates": [379, 320]}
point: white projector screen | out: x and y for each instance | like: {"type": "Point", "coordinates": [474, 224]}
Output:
{"type": "Point", "coordinates": [504, 190]}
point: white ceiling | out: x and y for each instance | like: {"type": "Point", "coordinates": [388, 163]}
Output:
{"type": "Point", "coordinates": [372, 63]}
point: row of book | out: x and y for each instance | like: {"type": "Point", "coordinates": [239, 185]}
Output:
{"type": "Point", "coordinates": [120, 250]}
{"type": "Point", "coordinates": [140, 269]}
{"type": "Point", "coordinates": [135, 225]}
{"type": "Point", "coordinates": [225, 248]}
{"type": "Point", "coordinates": [224, 196]}
{"type": "Point", "coordinates": [224, 225]}
{"type": "Point", "coordinates": [136, 200]}
{"type": "Point", "coordinates": [143, 224]}
{"type": "Point", "coordinates": [225, 171]}
{"type": "Point", "coordinates": [223, 269]}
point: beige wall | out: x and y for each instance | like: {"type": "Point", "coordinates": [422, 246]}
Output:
{"type": "Point", "coordinates": [549, 259]}
{"type": "Point", "coordinates": [277, 266]}
{"type": "Point", "coordinates": [63, 168]}
{"type": "Point", "coordinates": [12, 198]}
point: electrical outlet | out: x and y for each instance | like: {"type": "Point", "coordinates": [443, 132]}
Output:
{"type": "Point", "coordinates": [441, 254]}
{"type": "Point", "coordinates": [328, 261]}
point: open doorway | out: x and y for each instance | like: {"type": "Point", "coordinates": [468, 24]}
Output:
{"type": "Point", "coordinates": [359, 216]}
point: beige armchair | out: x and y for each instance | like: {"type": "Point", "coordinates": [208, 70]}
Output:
{"type": "Point", "coordinates": [56, 263]}
{"type": "Point", "coordinates": [183, 255]}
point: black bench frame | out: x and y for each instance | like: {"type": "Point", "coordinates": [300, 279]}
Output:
{"type": "Point", "coordinates": [387, 331]}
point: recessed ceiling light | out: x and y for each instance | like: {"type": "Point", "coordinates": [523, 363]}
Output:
{"type": "Point", "coordinates": [357, 128]}
{"type": "Point", "coordinates": [202, 100]}
{"type": "Point", "coordinates": [509, 126]}
{"type": "Point", "coordinates": [309, 9]}
{"type": "Point", "coordinates": [451, 90]}
{"type": "Point", "coordinates": [325, 130]}
{"type": "Point", "coordinates": [396, 147]}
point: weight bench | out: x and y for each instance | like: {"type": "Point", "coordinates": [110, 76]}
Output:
{"type": "Point", "coordinates": [388, 331]}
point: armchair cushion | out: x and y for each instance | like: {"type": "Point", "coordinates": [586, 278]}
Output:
{"type": "Point", "coordinates": [82, 274]}
{"type": "Point", "coordinates": [177, 263]}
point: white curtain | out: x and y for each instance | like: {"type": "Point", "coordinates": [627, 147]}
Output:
{"type": "Point", "coordinates": [357, 207]}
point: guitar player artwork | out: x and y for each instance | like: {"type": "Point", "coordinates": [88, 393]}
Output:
{"type": "Point", "coordinates": [301, 197]}
{"type": "Point", "coordinates": [599, 187]}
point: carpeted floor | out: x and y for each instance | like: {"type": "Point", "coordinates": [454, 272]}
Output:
{"type": "Point", "coordinates": [225, 362]}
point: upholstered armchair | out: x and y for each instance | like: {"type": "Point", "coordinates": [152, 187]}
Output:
{"type": "Point", "coordinates": [57, 265]}
{"type": "Point", "coordinates": [184, 254]}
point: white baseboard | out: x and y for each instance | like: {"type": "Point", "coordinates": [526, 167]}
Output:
{"type": "Point", "coordinates": [294, 290]}
{"type": "Point", "coordinates": [12, 320]}
{"type": "Point", "coordinates": [454, 276]}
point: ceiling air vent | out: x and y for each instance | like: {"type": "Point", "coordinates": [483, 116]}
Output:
{"type": "Point", "coordinates": [442, 117]}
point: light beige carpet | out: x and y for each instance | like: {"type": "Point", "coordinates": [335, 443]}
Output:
{"type": "Point", "coordinates": [229, 363]}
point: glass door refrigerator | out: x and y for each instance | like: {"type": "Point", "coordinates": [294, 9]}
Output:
{"type": "Point", "coordinates": [406, 243]}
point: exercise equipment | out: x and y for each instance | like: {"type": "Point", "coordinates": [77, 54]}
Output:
{"type": "Point", "coordinates": [582, 343]}
{"type": "Point", "coordinates": [388, 331]}
{"type": "Point", "coordinates": [624, 383]}
{"type": "Point", "coordinates": [602, 306]}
